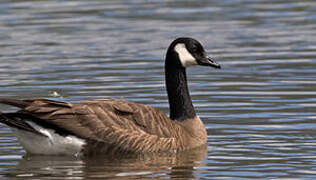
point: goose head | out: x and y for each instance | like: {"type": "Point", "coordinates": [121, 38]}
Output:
{"type": "Point", "coordinates": [187, 52]}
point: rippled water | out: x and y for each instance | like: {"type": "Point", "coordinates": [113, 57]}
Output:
{"type": "Point", "coordinates": [259, 109]}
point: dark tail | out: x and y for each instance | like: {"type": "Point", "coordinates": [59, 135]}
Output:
{"type": "Point", "coordinates": [21, 118]}
{"type": "Point", "coordinates": [15, 102]}
{"type": "Point", "coordinates": [13, 119]}
{"type": "Point", "coordinates": [18, 121]}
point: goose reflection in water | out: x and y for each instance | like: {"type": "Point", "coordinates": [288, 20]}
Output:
{"type": "Point", "coordinates": [146, 166]}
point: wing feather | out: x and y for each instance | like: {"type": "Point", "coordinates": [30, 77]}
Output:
{"type": "Point", "coordinates": [108, 124]}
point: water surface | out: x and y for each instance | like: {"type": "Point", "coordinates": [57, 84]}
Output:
{"type": "Point", "coordinates": [259, 109]}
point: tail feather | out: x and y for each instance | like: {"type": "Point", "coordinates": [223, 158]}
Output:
{"type": "Point", "coordinates": [16, 121]}
{"type": "Point", "coordinates": [15, 102]}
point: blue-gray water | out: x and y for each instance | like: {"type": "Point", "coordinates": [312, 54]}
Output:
{"type": "Point", "coordinates": [259, 109]}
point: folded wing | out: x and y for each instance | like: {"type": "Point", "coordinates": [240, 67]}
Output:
{"type": "Point", "coordinates": [108, 125]}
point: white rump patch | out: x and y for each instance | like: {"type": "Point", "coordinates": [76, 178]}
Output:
{"type": "Point", "coordinates": [185, 56]}
{"type": "Point", "coordinates": [53, 144]}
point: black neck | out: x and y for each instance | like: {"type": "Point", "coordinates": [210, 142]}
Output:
{"type": "Point", "coordinates": [180, 103]}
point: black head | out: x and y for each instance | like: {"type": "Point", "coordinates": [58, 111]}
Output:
{"type": "Point", "coordinates": [190, 52]}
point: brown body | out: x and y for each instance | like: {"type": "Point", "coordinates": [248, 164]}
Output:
{"type": "Point", "coordinates": [116, 126]}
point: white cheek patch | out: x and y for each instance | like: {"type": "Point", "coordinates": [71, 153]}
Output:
{"type": "Point", "coordinates": [185, 56]}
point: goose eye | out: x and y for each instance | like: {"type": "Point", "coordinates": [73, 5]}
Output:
{"type": "Point", "coordinates": [194, 49]}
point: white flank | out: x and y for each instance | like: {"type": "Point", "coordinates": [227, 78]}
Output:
{"type": "Point", "coordinates": [53, 144]}
{"type": "Point", "coordinates": [185, 56]}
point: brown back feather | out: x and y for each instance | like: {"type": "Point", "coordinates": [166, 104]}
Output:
{"type": "Point", "coordinates": [111, 125]}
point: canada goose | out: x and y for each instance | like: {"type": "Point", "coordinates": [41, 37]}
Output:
{"type": "Point", "coordinates": [50, 127]}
